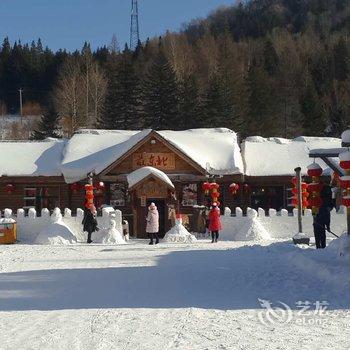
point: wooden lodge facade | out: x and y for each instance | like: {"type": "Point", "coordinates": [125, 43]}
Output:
{"type": "Point", "coordinates": [49, 189]}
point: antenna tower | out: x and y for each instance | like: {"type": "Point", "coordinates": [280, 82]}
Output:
{"type": "Point", "coordinates": [134, 27]}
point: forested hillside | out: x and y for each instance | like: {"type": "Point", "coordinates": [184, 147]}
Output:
{"type": "Point", "coordinates": [266, 67]}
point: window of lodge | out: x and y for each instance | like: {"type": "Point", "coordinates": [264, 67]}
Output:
{"type": "Point", "coordinates": [189, 195]}
{"type": "Point", "coordinates": [118, 195]}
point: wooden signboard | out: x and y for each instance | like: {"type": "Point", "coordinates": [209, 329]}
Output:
{"type": "Point", "coordinates": [162, 161]}
{"type": "Point", "coordinates": [152, 189]}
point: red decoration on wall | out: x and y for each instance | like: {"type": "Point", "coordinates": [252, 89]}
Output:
{"type": "Point", "coordinates": [9, 188]}
{"type": "Point", "coordinates": [75, 187]}
{"type": "Point", "coordinates": [233, 188]}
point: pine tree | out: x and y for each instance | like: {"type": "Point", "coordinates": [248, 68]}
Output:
{"type": "Point", "coordinates": [341, 61]}
{"type": "Point", "coordinates": [218, 103]}
{"type": "Point", "coordinates": [313, 117]}
{"type": "Point", "coordinates": [271, 59]}
{"type": "Point", "coordinates": [48, 126]}
{"type": "Point", "coordinates": [159, 95]}
{"type": "Point", "coordinates": [189, 103]}
{"type": "Point", "coordinates": [122, 101]}
{"type": "Point", "coordinates": [261, 103]}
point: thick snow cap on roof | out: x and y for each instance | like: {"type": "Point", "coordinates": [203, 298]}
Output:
{"type": "Point", "coordinates": [37, 158]}
{"type": "Point", "coordinates": [94, 150]}
{"type": "Point", "coordinates": [140, 174]}
{"type": "Point", "coordinates": [215, 150]}
{"type": "Point", "coordinates": [279, 157]}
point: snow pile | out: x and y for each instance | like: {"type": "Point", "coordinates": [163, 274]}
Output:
{"type": "Point", "coordinates": [179, 234]}
{"type": "Point", "coordinates": [341, 246]}
{"type": "Point", "coordinates": [262, 154]}
{"type": "Point", "coordinates": [109, 236]}
{"type": "Point", "coordinates": [56, 232]}
{"type": "Point", "coordinates": [252, 230]}
{"type": "Point", "coordinates": [140, 174]}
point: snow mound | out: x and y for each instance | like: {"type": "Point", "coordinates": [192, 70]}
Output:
{"type": "Point", "coordinates": [252, 230]}
{"type": "Point", "coordinates": [109, 236]}
{"type": "Point", "coordinates": [56, 232]}
{"type": "Point", "coordinates": [341, 246]}
{"type": "Point", "coordinates": [179, 234]}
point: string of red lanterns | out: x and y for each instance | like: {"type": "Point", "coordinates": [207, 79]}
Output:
{"type": "Point", "coordinates": [315, 187]}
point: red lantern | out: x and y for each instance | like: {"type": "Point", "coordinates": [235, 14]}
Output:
{"type": "Point", "coordinates": [9, 188]}
{"type": "Point", "coordinates": [294, 180]}
{"type": "Point", "coordinates": [345, 164]}
{"type": "Point", "coordinates": [75, 187]}
{"type": "Point", "coordinates": [89, 196]}
{"type": "Point", "coordinates": [215, 195]}
{"type": "Point", "coordinates": [233, 188]}
{"type": "Point", "coordinates": [100, 186]}
{"type": "Point", "coordinates": [345, 182]}
{"type": "Point", "coordinates": [206, 187]}
{"type": "Point", "coordinates": [315, 172]}
{"type": "Point", "coordinates": [214, 186]}
{"type": "Point", "coordinates": [345, 160]}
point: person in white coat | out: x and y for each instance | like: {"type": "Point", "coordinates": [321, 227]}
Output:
{"type": "Point", "coordinates": [152, 226]}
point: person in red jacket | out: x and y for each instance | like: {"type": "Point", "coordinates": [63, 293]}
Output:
{"type": "Point", "coordinates": [214, 222]}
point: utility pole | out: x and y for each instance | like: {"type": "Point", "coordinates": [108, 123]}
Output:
{"type": "Point", "coordinates": [21, 104]}
{"type": "Point", "coordinates": [134, 26]}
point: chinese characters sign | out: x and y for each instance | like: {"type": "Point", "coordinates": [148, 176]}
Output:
{"type": "Point", "coordinates": [164, 161]}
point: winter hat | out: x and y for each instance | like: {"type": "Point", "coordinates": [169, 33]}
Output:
{"type": "Point", "coordinates": [152, 206]}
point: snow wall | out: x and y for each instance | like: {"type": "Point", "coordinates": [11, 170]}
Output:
{"type": "Point", "coordinates": [29, 227]}
{"type": "Point", "coordinates": [259, 226]}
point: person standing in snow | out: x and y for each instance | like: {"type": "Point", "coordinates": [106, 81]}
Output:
{"type": "Point", "coordinates": [322, 219]}
{"type": "Point", "coordinates": [152, 227]}
{"type": "Point", "coordinates": [214, 222]}
{"type": "Point", "coordinates": [89, 222]}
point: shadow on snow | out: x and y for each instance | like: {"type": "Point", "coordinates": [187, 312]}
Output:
{"type": "Point", "coordinates": [209, 279]}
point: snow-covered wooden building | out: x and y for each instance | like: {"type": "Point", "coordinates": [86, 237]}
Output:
{"type": "Point", "coordinates": [175, 164]}
{"type": "Point", "coordinates": [166, 167]}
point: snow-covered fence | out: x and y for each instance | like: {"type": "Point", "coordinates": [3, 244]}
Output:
{"type": "Point", "coordinates": [28, 227]}
{"type": "Point", "coordinates": [261, 225]}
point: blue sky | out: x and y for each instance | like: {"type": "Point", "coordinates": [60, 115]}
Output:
{"type": "Point", "coordinates": [68, 23]}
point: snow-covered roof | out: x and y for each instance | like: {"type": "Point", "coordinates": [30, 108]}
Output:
{"type": "Point", "coordinates": [94, 150]}
{"type": "Point", "coordinates": [140, 174]}
{"type": "Point", "coordinates": [279, 157]}
{"type": "Point", "coordinates": [215, 150]}
{"type": "Point", "coordinates": [39, 158]}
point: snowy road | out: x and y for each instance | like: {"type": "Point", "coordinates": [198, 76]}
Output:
{"type": "Point", "coordinates": [171, 296]}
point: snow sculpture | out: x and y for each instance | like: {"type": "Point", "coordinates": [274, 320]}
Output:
{"type": "Point", "coordinates": [179, 234]}
{"type": "Point", "coordinates": [110, 235]}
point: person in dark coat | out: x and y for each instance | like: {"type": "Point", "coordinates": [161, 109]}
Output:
{"type": "Point", "coordinates": [322, 219]}
{"type": "Point", "coordinates": [89, 222]}
{"type": "Point", "coordinates": [214, 222]}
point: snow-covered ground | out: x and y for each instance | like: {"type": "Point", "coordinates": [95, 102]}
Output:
{"type": "Point", "coordinates": [172, 296]}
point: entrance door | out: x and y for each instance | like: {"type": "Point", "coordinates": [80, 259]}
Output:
{"type": "Point", "coordinates": [160, 203]}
